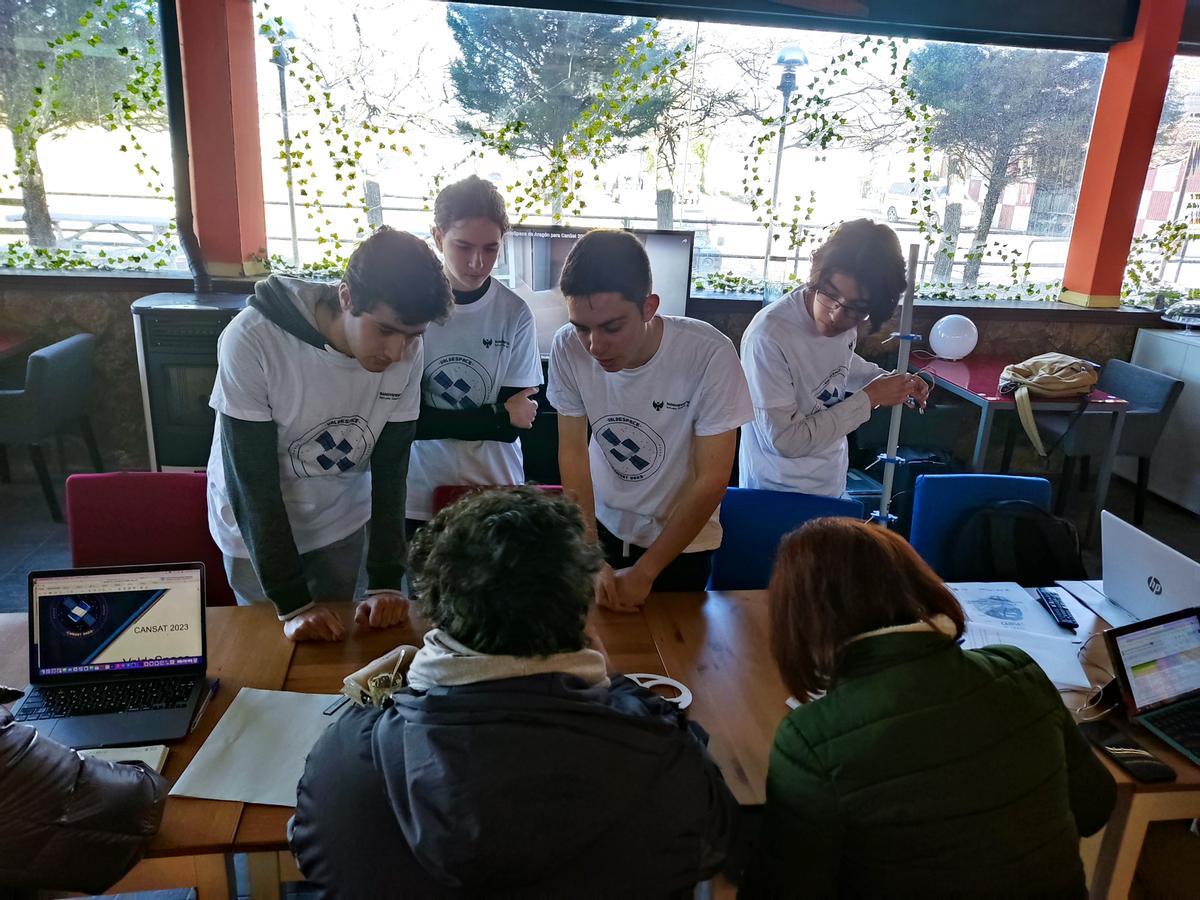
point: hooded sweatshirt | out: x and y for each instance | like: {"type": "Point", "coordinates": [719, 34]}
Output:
{"type": "Point", "coordinates": [536, 786]}
{"type": "Point", "coordinates": [309, 445]}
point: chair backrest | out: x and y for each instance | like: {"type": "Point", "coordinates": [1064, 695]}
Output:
{"type": "Point", "coordinates": [754, 522]}
{"type": "Point", "coordinates": [131, 518]}
{"type": "Point", "coordinates": [445, 494]}
{"type": "Point", "coordinates": [1151, 397]}
{"type": "Point", "coordinates": [58, 381]}
{"type": "Point", "coordinates": [942, 502]}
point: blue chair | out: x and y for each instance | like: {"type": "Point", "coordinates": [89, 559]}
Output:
{"type": "Point", "coordinates": [754, 521]}
{"type": "Point", "coordinates": [940, 503]}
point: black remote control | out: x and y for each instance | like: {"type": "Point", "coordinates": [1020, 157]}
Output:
{"type": "Point", "coordinates": [1057, 609]}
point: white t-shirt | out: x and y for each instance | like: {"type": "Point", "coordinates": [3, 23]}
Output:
{"type": "Point", "coordinates": [482, 347]}
{"type": "Point", "coordinates": [794, 370]}
{"type": "Point", "coordinates": [643, 421]}
{"type": "Point", "coordinates": [329, 412]}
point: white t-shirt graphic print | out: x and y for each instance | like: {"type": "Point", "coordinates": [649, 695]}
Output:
{"type": "Point", "coordinates": [643, 422]}
{"type": "Point", "coordinates": [484, 346]}
{"type": "Point", "coordinates": [328, 410]}
{"type": "Point", "coordinates": [793, 369]}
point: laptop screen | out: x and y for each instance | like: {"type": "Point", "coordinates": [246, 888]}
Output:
{"type": "Point", "coordinates": [1161, 662]}
{"type": "Point", "coordinates": [117, 621]}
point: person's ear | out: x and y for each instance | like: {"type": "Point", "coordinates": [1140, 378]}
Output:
{"type": "Point", "coordinates": [344, 296]}
{"type": "Point", "coordinates": [438, 237]}
{"type": "Point", "coordinates": [650, 307]}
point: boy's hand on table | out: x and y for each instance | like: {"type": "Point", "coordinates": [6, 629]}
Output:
{"type": "Point", "coordinates": [382, 610]}
{"type": "Point", "coordinates": [319, 623]}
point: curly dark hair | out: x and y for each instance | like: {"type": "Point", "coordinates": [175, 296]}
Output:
{"type": "Point", "coordinates": [607, 260]}
{"type": "Point", "coordinates": [868, 252]}
{"type": "Point", "coordinates": [401, 271]}
{"type": "Point", "coordinates": [471, 198]}
{"type": "Point", "coordinates": [506, 572]}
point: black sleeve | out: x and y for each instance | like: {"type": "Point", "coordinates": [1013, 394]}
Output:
{"type": "Point", "coordinates": [387, 548]}
{"type": "Point", "coordinates": [252, 478]}
{"type": "Point", "coordinates": [484, 423]}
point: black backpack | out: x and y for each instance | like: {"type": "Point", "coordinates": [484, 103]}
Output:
{"type": "Point", "coordinates": [1014, 540]}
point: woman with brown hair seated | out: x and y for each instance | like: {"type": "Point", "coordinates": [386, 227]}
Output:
{"type": "Point", "coordinates": [912, 767]}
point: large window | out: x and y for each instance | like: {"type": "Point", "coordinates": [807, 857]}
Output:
{"type": "Point", "coordinates": [1164, 262]}
{"type": "Point", "coordinates": [85, 163]}
{"type": "Point", "coordinates": [751, 137]}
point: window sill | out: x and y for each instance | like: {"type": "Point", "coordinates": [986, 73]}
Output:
{"type": "Point", "coordinates": [977, 310]}
{"type": "Point", "coordinates": [113, 281]}
{"type": "Point", "coordinates": [700, 307]}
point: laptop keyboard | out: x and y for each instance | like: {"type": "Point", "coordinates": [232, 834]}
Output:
{"type": "Point", "coordinates": [110, 697]}
{"type": "Point", "coordinates": [1181, 723]}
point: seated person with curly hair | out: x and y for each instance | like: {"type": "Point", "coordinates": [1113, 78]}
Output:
{"type": "Point", "coordinates": [511, 764]}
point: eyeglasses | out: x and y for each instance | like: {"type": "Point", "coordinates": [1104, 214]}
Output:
{"type": "Point", "coordinates": [836, 304]}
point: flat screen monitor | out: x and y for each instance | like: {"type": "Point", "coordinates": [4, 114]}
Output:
{"type": "Point", "coordinates": [532, 258]}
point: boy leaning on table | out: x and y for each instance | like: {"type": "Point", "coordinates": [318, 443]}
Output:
{"type": "Point", "coordinates": [317, 395]}
{"type": "Point", "coordinates": [663, 397]}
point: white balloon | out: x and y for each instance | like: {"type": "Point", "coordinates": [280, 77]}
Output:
{"type": "Point", "coordinates": [953, 337]}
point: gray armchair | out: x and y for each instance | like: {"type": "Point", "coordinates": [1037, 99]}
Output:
{"type": "Point", "coordinates": [1151, 397]}
{"type": "Point", "coordinates": [53, 399]}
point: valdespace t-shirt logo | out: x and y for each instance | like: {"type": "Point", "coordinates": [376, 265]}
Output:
{"type": "Point", "coordinates": [634, 450]}
{"type": "Point", "coordinates": [456, 382]}
{"type": "Point", "coordinates": [335, 446]}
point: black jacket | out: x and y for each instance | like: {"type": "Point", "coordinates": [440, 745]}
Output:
{"type": "Point", "coordinates": [528, 787]}
{"type": "Point", "coordinates": [68, 822]}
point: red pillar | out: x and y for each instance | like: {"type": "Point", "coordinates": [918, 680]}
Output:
{"type": "Point", "coordinates": [1127, 114]}
{"type": "Point", "coordinates": [221, 94]}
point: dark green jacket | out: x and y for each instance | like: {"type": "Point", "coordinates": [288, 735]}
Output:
{"type": "Point", "coordinates": [929, 771]}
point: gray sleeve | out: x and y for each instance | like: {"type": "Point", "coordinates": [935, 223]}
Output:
{"type": "Point", "coordinates": [387, 549]}
{"type": "Point", "coordinates": [248, 454]}
{"type": "Point", "coordinates": [794, 435]}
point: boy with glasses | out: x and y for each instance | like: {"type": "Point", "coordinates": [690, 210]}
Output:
{"type": "Point", "coordinates": [810, 389]}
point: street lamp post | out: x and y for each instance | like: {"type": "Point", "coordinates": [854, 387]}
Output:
{"type": "Point", "coordinates": [791, 58]}
{"type": "Point", "coordinates": [281, 59]}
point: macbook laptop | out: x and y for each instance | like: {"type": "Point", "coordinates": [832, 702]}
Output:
{"type": "Point", "coordinates": [1143, 578]}
{"type": "Point", "coordinates": [1158, 667]}
{"type": "Point", "coordinates": [116, 655]}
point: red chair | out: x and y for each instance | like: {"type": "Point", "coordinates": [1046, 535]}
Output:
{"type": "Point", "coordinates": [131, 518]}
{"type": "Point", "coordinates": [445, 494]}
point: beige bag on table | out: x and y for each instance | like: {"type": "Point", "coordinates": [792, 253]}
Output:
{"type": "Point", "coordinates": [1049, 376]}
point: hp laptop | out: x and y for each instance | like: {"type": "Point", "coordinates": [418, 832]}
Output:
{"type": "Point", "coordinates": [1143, 578]}
{"type": "Point", "coordinates": [116, 655]}
{"type": "Point", "coordinates": [1158, 667]}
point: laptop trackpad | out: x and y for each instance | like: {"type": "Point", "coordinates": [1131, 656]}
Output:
{"type": "Point", "coordinates": [122, 729]}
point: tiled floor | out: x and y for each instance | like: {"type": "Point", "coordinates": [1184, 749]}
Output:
{"type": "Point", "coordinates": [30, 541]}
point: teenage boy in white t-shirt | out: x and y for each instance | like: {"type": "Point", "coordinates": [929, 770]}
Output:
{"type": "Point", "coordinates": [810, 388]}
{"type": "Point", "coordinates": [663, 397]}
{"type": "Point", "coordinates": [482, 366]}
{"type": "Point", "coordinates": [317, 396]}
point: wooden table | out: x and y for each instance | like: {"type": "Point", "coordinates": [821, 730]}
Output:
{"type": "Point", "coordinates": [976, 379]}
{"type": "Point", "coordinates": [717, 644]}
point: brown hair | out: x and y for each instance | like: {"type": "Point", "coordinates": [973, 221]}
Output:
{"type": "Point", "coordinates": [471, 198]}
{"type": "Point", "coordinates": [607, 260]}
{"type": "Point", "coordinates": [400, 270]}
{"type": "Point", "coordinates": [836, 578]}
{"type": "Point", "coordinates": [870, 254]}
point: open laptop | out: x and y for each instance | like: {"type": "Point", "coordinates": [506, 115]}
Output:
{"type": "Point", "coordinates": [1158, 667]}
{"type": "Point", "coordinates": [116, 655]}
{"type": "Point", "coordinates": [1143, 577]}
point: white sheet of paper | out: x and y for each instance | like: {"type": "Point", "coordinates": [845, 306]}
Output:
{"type": "Point", "coordinates": [257, 751]}
{"type": "Point", "coordinates": [1058, 657]}
{"type": "Point", "coordinates": [1005, 605]}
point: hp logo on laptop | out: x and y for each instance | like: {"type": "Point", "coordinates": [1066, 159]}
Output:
{"type": "Point", "coordinates": [1155, 585]}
